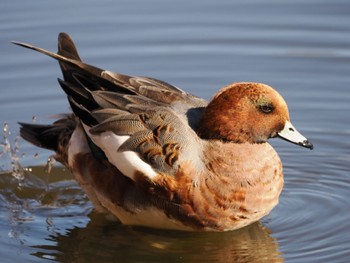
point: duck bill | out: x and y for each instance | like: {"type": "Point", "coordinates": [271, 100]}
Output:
{"type": "Point", "coordinates": [289, 133]}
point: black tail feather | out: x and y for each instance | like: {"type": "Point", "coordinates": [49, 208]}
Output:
{"type": "Point", "coordinates": [33, 133]}
{"type": "Point", "coordinates": [52, 136]}
{"type": "Point", "coordinates": [81, 96]}
{"type": "Point", "coordinates": [81, 112]}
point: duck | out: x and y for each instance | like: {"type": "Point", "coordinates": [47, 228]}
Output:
{"type": "Point", "coordinates": [153, 155]}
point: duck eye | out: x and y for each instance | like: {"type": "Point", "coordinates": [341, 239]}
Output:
{"type": "Point", "coordinates": [266, 108]}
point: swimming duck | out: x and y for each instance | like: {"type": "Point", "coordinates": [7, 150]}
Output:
{"type": "Point", "coordinates": [154, 155]}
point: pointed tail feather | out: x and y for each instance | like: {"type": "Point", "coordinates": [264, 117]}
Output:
{"type": "Point", "coordinates": [69, 64]}
{"type": "Point", "coordinates": [73, 68]}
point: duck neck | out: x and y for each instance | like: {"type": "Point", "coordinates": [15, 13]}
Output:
{"type": "Point", "coordinates": [224, 128]}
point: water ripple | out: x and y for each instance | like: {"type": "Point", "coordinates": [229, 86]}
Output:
{"type": "Point", "coordinates": [310, 218]}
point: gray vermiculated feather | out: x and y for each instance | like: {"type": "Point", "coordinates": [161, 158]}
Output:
{"type": "Point", "coordinates": [120, 125]}
{"type": "Point", "coordinates": [104, 114]}
{"type": "Point", "coordinates": [108, 99]}
{"type": "Point", "coordinates": [135, 99]}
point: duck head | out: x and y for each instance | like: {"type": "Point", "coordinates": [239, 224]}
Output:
{"type": "Point", "coordinates": [249, 112]}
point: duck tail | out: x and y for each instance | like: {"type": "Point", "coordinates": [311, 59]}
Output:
{"type": "Point", "coordinates": [53, 136]}
{"type": "Point", "coordinates": [39, 135]}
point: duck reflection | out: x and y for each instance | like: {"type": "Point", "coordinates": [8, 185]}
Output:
{"type": "Point", "coordinates": [105, 241]}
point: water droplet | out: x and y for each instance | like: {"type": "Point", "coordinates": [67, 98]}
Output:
{"type": "Point", "coordinates": [26, 169]}
{"type": "Point", "coordinates": [49, 164]}
{"type": "Point", "coordinates": [17, 143]}
{"type": "Point", "coordinates": [5, 128]}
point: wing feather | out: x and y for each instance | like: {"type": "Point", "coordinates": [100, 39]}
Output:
{"type": "Point", "coordinates": [141, 124]}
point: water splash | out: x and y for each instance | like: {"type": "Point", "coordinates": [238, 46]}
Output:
{"type": "Point", "coordinates": [10, 150]}
{"type": "Point", "coordinates": [48, 167]}
{"type": "Point", "coordinates": [49, 164]}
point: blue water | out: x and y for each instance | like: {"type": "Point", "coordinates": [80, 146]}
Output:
{"type": "Point", "coordinates": [302, 48]}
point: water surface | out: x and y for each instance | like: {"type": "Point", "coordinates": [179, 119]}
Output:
{"type": "Point", "coordinates": [299, 47]}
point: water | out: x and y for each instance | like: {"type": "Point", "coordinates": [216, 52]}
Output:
{"type": "Point", "coordinates": [299, 47]}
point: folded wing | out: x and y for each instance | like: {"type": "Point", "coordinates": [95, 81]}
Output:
{"type": "Point", "coordinates": [141, 124]}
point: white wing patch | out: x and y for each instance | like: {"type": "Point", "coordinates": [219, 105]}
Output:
{"type": "Point", "coordinates": [77, 144]}
{"type": "Point", "coordinates": [128, 162]}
